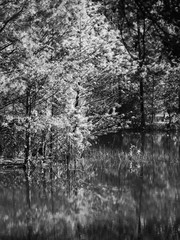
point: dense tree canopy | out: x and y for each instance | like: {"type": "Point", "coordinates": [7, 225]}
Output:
{"type": "Point", "coordinates": [150, 32]}
{"type": "Point", "coordinates": [70, 68]}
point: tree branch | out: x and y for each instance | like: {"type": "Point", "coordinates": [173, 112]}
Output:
{"type": "Point", "coordinates": [5, 46]}
{"type": "Point", "coordinates": [13, 17]}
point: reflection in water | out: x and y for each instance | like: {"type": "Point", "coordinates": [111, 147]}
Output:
{"type": "Point", "coordinates": [130, 190]}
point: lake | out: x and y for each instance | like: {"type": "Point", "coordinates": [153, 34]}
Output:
{"type": "Point", "coordinates": [127, 187]}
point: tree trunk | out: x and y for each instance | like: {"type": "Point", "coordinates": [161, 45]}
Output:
{"type": "Point", "coordinates": [142, 103]}
{"type": "Point", "coordinates": [179, 101]}
{"type": "Point", "coordinates": [27, 135]}
{"type": "Point", "coordinates": [119, 94]}
{"type": "Point", "coordinates": [51, 132]}
{"type": "Point", "coordinates": [27, 145]}
{"type": "Point", "coordinates": [152, 103]}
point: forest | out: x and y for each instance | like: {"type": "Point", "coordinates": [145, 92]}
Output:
{"type": "Point", "coordinates": [89, 119]}
{"type": "Point", "coordinates": [72, 70]}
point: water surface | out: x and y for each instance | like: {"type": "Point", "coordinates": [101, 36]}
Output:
{"type": "Point", "coordinates": [128, 187]}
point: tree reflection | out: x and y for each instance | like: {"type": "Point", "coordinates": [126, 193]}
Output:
{"type": "Point", "coordinates": [28, 184]}
{"type": "Point", "coordinates": [121, 195]}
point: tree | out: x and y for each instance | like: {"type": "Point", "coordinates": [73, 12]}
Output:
{"type": "Point", "coordinates": [39, 81]}
{"type": "Point", "coordinates": [149, 31]}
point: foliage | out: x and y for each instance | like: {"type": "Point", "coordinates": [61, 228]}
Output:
{"type": "Point", "coordinates": [149, 32]}
{"type": "Point", "coordinates": [70, 69]}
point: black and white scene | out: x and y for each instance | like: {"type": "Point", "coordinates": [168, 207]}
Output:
{"type": "Point", "coordinates": [89, 119]}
